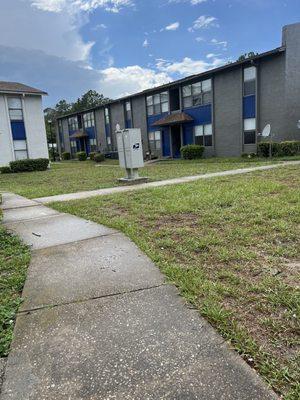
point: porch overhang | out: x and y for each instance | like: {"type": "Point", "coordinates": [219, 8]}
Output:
{"type": "Point", "coordinates": [78, 135]}
{"type": "Point", "coordinates": [174, 119]}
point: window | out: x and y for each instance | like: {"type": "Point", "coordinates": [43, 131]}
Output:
{"type": "Point", "coordinates": [249, 81]}
{"type": "Point", "coordinates": [88, 120]}
{"type": "Point", "coordinates": [106, 113]}
{"type": "Point", "coordinates": [157, 104]}
{"type": "Point", "coordinates": [15, 108]}
{"type": "Point", "coordinates": [249, 131]}
{"type": "Point", "coordinates": [197, 94]}
{"type": "Point", "coordinates": [154, 139]}
{"type": "Point", "coordinates": [128, 111]}
{"type": "Point", "coordinates": [203, 135]}
{"type": "Point", "coordinates": [73, 123]}
{"type": "Point", "coordinates": [93, 145]}
{"type": "Point", "coordinates": [20, 148]}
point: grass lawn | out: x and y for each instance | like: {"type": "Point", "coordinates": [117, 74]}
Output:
{"type": "Point", "coordinates": [14, 260]}
{"type": "Point", "coordinates": [232, 247]}
{"type": "Point", "coordinates": [74, 176]}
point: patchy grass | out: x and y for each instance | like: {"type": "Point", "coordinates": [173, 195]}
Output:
{"type": "Point", "coordinates": [14, 260]}
{"type": "Point", "coordinates": [232, 247]}
{"type": "Point", "coordinates": [74, 176]}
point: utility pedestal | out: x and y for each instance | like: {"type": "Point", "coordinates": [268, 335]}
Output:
{"type": "Point", "coordinates": [129, 142]}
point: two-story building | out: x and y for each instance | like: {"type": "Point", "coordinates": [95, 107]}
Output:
{"type": "Point", "coordinates": [22, 125]}
{"type": "Point", "coordinates": [223, 109]}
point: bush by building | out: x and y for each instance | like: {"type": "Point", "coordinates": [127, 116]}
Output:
{"type": "Point", "coordinates": [29, 165]}
{"type": "Point", "coordinates": [92, 155]}
{"type": "Point", "coordinates": [5, 170]}
{"type": "Point", "coordinates": [99, 157]}
{"type": "Point", "coordinates": [66, 155]}
{"type": "Point", "coordinates": [192, 151]}
{"type": "Point", "coordinates": [81, 155]}
{"type": "Point", "coordinates": [282, 149]}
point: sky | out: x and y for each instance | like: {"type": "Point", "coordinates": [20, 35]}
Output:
{"type": "Point", "coordinates": [119, 47]}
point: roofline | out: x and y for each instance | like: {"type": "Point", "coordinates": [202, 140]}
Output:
{"type": "Point", "coordinates": [23, 92]}
{"type": "Point", "coordinates": [208, 73]}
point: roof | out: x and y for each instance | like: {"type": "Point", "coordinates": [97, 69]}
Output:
{"type": "Point", "coordinates": [202, 75]}
{"type": "Point", "coordinates": [178, 118]}
{"type": "Point", "coordinates": [15, 87]}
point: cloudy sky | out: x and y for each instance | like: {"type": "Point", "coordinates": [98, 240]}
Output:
{"type": "Point", "coordinates": [117, 47]}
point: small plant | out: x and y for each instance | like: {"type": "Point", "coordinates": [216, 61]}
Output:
{"type": "Point", "coordinates": [29, 165]}
{"type": "Point", "coordinates": [99, 157]}
{"type": "Point", "coordinates": [66, 155]}
{"type": "Point", "coordinates": [249, 155]}
{"type": "Point", "coordinates": [81, 155]}
{"type": "Point", "coordinates": [5, 170]}
{"type": "Point", "coordinates": [192, 151]}
{"type": "Point", "coordinates": [92, 155]}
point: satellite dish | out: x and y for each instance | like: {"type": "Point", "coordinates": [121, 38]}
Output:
{"type": "Point", "coordinates": [266, 131]}
{"type": "Point", "coordinates": [118, 128]}
{"type": "Point", "coordinates": [298, 124]}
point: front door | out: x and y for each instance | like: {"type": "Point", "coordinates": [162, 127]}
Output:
{"type": "Point", "coordinates": [166, 149]}
{"type": "Point", "coordinates": [176, 140]}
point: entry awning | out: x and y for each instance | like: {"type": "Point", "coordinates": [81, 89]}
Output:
{"type": "Point", "coordinates": [172, 119]}
{"type": "Point", "coordinates": [78, 135]}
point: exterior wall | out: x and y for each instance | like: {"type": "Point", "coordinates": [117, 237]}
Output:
{"type": "Point", "coordinates": [291, 39]}
{"type": "Point", "coordinates": [66, 135]}
{"type": "Point", "coordinates": [139, 119]}
{"type": "Point", "coordinates": [228, 111]}
{"type": "Point", "coordinates": [100, 129]}
{"type": "Point", "coordinates": [6, 144]}
{"type": "Point", "coordinates": [271, 96]}
{"type": "Point", "coordinates": [116, 117]}
{"type": "Point", "coordinates": [35, 127]}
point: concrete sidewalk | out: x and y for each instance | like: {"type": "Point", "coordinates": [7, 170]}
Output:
{"type": "Point", "coordinates": [99, 322]}
{"type": "Point", "coordinates": [185, 179]}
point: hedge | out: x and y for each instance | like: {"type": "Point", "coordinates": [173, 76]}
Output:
{"type": "Point", "coordinates": [92, 155]}
{"type": "Point", "coordinates": [29, 165]}
{"type": "Point", "coordinates": [81, 155]}
{"type": "Point", "coordinates": [192, 151]}
{"type": "Point", "coordinates": [99, 157]}
{"type": "Point", "coordinates": [5, 170]}
{"type": "Point", "coordinates": [66, 155]}
{"type": "Point", "coordinates": [282, 149]}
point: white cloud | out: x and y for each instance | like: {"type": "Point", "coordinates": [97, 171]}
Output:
{"type": "Point", "coordinates": [199, 39]}
{"type": "Point", "coordinates": [193, 2]}
{"type": "Point", "coordinates": [172, 27]}
{"type": "Point", "coordinates": [188, 66]}
{"type": "Point", "coordinates": [118, 82]}
{"type": "Point", "coordinates": [223, 43]}
{"type": "Point", "coordinates": [75, 6]}
{"type": "Point", "coordinates": [211, 55]}
{"type": "Point", "coordinates": [146, 43]}
{"type": "Point", "coordinates": [204, 22]}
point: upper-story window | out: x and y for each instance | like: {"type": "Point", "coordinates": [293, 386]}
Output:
{"type": "Point", "coordinates": [197, 94]}
{"type": "Point", "coordinates": [73, 123]}
{"type": "Point", "coordinates": [88, 120]}
{"type": "Point", "coordinates": [15, 108]}
{"type": "Point", "coordinates": [249, 81]}
{"type": "Point", "coordinates": [128, 110]}
{"type": "Point", "coordinates": [106, 113]}
{"type": "Point", "coordinates": [158, 103]}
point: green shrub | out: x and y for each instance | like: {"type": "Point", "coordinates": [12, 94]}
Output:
{"type": "Point", "coordinates": [192, 151]}
{"type": "Point", "coordinates": [5, 170]}
{"type": "Point", "coordinates": [81, 155]}
{"type": "Point", "coordinates": [28, 165]}
{"type": "Point", "coordinates": [282, 149]}
{"type": "Point", "coordinates": [92, 155]}
{"type": "Point", "coordinates": [66, 155]}
{"type": "Point", "coordinates": [99, 157]}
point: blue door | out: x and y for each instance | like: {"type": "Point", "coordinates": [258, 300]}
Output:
{"type": "Point", "coordinates": [165, 133]}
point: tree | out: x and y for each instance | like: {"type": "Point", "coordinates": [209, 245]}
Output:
{"type": "Point", "coordinates": [90, 99]}
{"type": "Point", "coordinates": [245, 56]}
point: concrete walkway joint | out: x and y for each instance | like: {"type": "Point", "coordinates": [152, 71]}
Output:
{"type": "Point", "coordinates": [98, 321]}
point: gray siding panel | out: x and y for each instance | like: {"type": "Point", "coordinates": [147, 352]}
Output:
{"type": "Point", "coordinates": [66, 135]}
{"type": "Point", "coordinates": [138, 105]}
{"type": "Point", "coordinates": [116, 117]}
{"type": "Point", "coordinates": [228, 113]}
{"type": "Point", "coordinates": [100, 129]}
